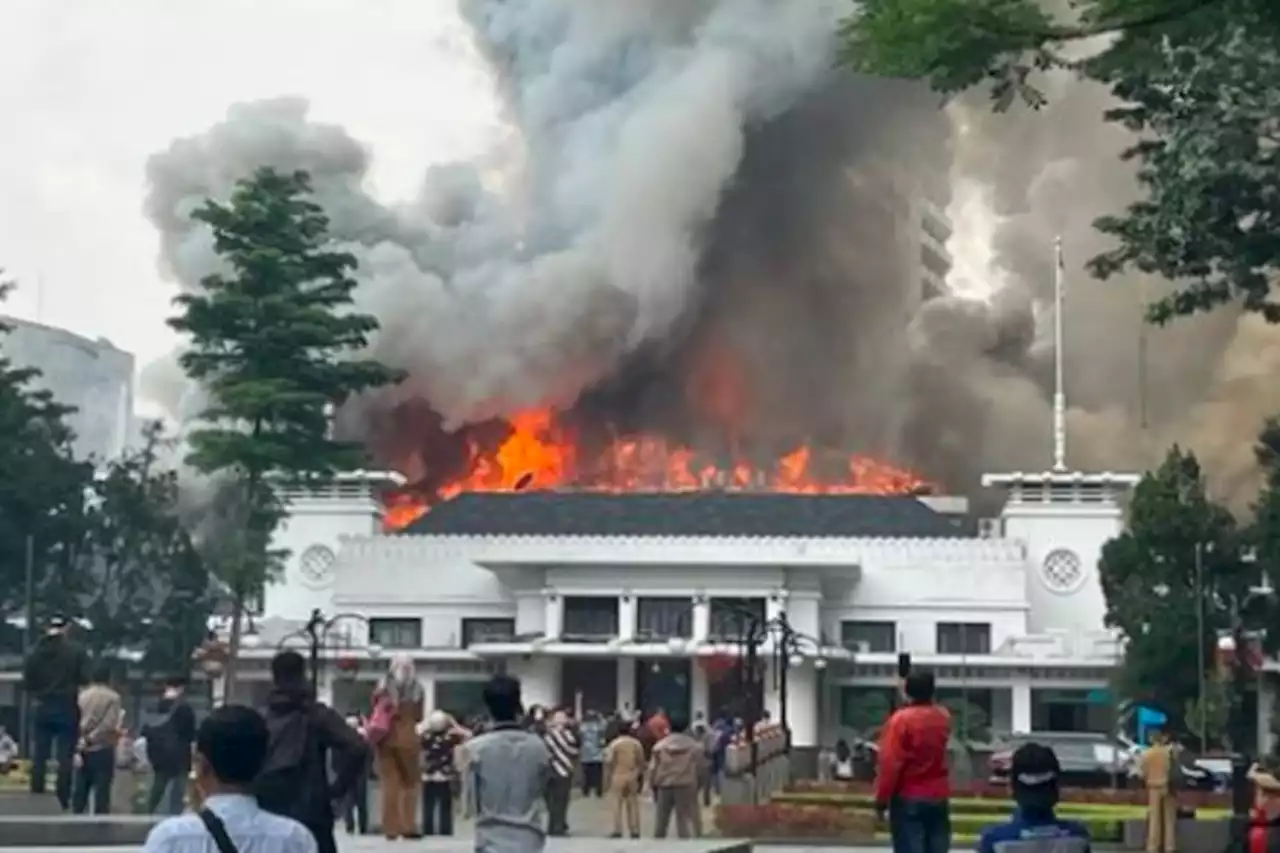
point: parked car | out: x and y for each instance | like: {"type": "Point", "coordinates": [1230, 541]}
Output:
{"type": "Point", "coordinates": [1087, 759]}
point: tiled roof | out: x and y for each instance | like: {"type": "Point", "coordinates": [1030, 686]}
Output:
{"type": "Point", "coordinates": [683, 514]}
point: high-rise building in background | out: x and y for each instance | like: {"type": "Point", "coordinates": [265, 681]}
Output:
{"type": "Point", "coordinates": [92, 375]}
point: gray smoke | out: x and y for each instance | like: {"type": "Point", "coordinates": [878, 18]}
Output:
{"type": "Point", "coordinates": [693, 176]}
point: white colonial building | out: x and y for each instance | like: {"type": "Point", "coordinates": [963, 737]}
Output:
{"type": "Point", "coordinates": [607, 600]}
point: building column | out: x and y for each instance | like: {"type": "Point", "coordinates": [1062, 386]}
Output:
{"type": "Point", "coordinates": [324, 684]}
{"type": "Point", "coordinates": [626, 683]}
{"type": "Point", "coordinates": [1020, 707]}
{"type": "Point", "coordinates": [803, 705]}
{"type": "Point", "coordinates": [539, 680]}
{"type": "Point", "coordinates": [555, 614]}
{"type": "Point", "coordinates": [1266, 708]}
{"type": "Point", "coordinates": [699, 689]}
{"type": "Point", "coordinates": [626, 618]}
{"type": "Point", "coordinates": [701, 628]}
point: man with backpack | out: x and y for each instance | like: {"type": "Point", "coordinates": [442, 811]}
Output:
{"type": "Point", "coordinates": [306, 737]}
{"type": "Point", "coordinates": [168, 734]}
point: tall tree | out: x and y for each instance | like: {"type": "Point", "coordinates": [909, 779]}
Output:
{"type": "Point", "coordinates": [141, 583]}
{"type": "Point", "coordinates": [275, 343]}
{"type": "Point", "coordinates": [1198, 81]}
{"type": "Point", "coordinates": [42, 489]}
{"type": "Point", "coordinates": [1171, 581]}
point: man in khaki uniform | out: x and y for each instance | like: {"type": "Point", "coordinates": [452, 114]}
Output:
{"type": "Point", "coordinates": [624, 774]}
{"type": "Point", "coordinates": [1158, 768]}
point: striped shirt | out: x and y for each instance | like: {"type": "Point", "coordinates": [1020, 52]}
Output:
{"type": "Point", "coordinates": [563, 745]}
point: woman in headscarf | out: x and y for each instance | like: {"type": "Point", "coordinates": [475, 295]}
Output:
{"type": "Point", "coordinates": [399, 760]}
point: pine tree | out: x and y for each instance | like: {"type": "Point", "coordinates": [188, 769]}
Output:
{"type": "Point", "coordinates": [275, 343]}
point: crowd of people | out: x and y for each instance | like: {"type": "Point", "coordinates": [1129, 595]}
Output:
{"type": "Point", "coordinates": [514, 770]}
{"type": "Point", "coordinates": [278, 779]}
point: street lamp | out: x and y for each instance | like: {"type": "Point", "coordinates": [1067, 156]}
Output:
{"type": "Point", "coordinates": [316, 632]}
{"type": "Point", "coordinates": [788, 650]}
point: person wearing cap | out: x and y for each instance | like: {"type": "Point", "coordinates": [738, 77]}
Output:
{"type": "Point", "coordinates": [1034, 825]}
{"type": "Point", "coordinates": [52, 675]}
{"type": "Point", "coordinates": [1264, 819]}
{"type": "Point", "coordinates": [912, 775]}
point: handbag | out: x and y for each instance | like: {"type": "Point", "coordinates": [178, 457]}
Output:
{"type": "Point", "coordinates": [378, 726]}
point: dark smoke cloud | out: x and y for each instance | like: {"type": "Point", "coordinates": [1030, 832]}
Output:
{"type": "Point", "coordinates": [694, 182]}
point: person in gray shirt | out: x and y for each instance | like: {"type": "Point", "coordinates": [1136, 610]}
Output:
{"type": "Point", "coordinates": [509, 770]}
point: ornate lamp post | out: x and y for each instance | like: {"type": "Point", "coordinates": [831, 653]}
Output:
{"type": "Point", "coordinates": [316, 632]}
{"type": "Point", "coordinates": [787, 651]}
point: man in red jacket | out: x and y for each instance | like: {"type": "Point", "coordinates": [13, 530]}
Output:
{"type": "Point", "coordinates": [912, 781]}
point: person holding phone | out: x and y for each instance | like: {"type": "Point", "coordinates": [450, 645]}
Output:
{"type": "Point", "coordinates": [913, 783]}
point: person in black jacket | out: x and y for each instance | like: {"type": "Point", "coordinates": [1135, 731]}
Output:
{"type": "Point", "coordinates": [306, 738]}
{"type": "Point", "coordinates": [169, 733]}
{"type": "Point", "coordinates": [52, 676]}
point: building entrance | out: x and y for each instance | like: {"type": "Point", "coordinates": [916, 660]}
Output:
{"type": "Point", "coordinates": [589, 684]}
{"type": "Point", "coordinates": [664, 683]}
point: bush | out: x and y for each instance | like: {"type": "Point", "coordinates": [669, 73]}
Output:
{"type": "Point", "coordinates": [1070, 796]}
{"type": "Point", "coordinates": [774, 820]}
{"type": "Point", "coordinates": [989, 807]}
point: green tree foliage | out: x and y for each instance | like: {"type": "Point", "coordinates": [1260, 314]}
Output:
{"type": "Point", "coordinates": [141, 584]}
{"type": "Point", "coordinates": [969, 721]}
{"type": "Point", "coordinates": [42, 489]}
{"type": "Point", "coordinates": [1198, 81]}
{"type": "Point", "coordinates": [275, 343]}
{"type": "Point", "coordinates": [865, 710]}
{"type": "Point", "coordinates": [1181, 561]}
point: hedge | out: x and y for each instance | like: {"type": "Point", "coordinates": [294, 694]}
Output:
{"type": "Point", "coordinates": [780, 821]}
{"type": "Point", "coordinates": [986, 791]}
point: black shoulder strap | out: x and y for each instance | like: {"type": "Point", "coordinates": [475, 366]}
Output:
{"type": "Point", "coordinates": [218, 830]}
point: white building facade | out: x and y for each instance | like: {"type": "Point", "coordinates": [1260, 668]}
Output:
{"type": "Point", "coordinates": [614, 601]}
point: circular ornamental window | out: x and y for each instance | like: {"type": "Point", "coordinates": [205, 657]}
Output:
{"type": "Point", "coordinates": [1062, 571]}
{"type": "Point", "coordinates": [316, 564]}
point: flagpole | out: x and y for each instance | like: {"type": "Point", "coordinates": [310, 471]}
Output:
{"type": "Point", "coordinates": [1059, 383]}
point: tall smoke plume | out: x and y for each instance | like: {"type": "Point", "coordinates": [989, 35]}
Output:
{"type": "Point", "coordinates": [689, 182]}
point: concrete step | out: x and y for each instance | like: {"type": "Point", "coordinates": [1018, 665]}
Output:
{"type": "Point", "coordinates": [75, 831]}
{"type": "Point", "coordinates": [26, 804]}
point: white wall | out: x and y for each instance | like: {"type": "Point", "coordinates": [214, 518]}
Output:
{"type": "Point", "coordinates": [918, 597]}
{"type": "Point", "coordinates": [1081, 529]}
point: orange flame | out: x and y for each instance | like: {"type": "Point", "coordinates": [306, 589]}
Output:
{"type": "Point", "coordinates": [539, 454]}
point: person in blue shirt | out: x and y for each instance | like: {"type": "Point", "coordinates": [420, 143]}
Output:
{"type": "Point", "coordinates": [1034, 826]}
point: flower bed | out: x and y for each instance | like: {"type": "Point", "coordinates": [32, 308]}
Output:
{"type": "Point", "coordinates": [839, 791]}
{"type": "Point", "coordinates": [781, 821]}
{"type": "Point", "coordinates": [795, 822]}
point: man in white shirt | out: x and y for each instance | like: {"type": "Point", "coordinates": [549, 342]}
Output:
{"type": "Point", "coordinates": [231, 746]}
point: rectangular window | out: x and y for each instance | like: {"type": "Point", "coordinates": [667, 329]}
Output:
{"type": "Point", "coordinates": [964, 638]}
{"type": "Point", "coordinates": [487, 631]}
{"type": "Point", "coordinates": [589, 618]}
{"type": "Point", "coordinates": [660, 619]}
{"type": "Point", "coordinates": [733, 618]}
{"type": "Point", "coordinates": [396, 633]}
{"type": "Point", "coordinates": [861, 636]}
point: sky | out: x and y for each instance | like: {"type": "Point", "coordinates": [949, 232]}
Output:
{"type": "Point", "coordinates": [89, 89]}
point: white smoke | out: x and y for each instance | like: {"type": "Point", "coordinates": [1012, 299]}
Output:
{"type": "Point", "coordinates": [525, 282]}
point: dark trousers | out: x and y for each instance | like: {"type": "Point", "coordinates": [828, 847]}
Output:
{"type": "Point", "coordinates": [592, 779]}
{"type": "Point", "coordinates": [437, 808]}
{"type": "Point", "coordinates": [920, 826]}
{"type": "Point", "coordinates": [97, 769]}
{"type": "Point", "coordinates": [56, 725]}
{"type": "Point", "coordinates": [168, 792]}
{"type": "Point", "coordinates": [355, 809]}
{"type": "Point", "coordinates": [323, 834]}
{"type": "Point", "coordinates": [559, 790]}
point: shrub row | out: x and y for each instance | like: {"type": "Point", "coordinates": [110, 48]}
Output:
{"type": "Point", "coordinates": [785, 821]}
{"type": "Point", "coordinates": [988, 807]}
{"type": "Point", "coordinates": [781, 821]}
{"type": "Point", "coordinates": [985, 791]}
